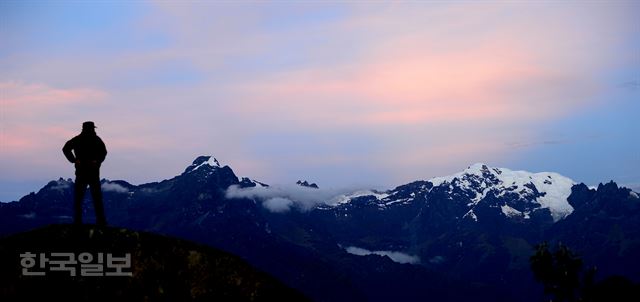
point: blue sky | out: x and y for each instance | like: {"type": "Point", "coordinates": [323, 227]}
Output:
{"type": "Point", "coordinates": [373, 94]}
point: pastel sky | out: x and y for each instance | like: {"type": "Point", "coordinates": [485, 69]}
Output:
{"type": "Point", "coordinates": [339, 93]}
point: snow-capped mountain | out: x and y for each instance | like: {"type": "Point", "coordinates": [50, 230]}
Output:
{"type": "Point", "coordinates": [203, 161]}
{"type": "Point", "coordinates": [530, 191]}
{"type": "Point", "coordinates": [516, 194]}
{"type": "Point", "coordinates": [467, 234]}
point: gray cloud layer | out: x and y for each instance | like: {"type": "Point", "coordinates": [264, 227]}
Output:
{"type": "Point", "coordinates": [114, 187]}
{"type": "Point", "coordinates": [393, 255]}
{"type": "Point", "coordinates": [282, 198]}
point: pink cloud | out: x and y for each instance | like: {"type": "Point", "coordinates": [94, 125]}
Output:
{"type": "Point", "coordinates": [37, 119]}
{"type": "Point", "coordinates": [409, 87]}
{"type": "Point", "coordinates": [446, 64]}
{"type": "Point", "coordinates": [15, 94]}
{"type": "Point", "coordinates": [33, 114]}
{"type": "Point", "coordinates": [449, 85]}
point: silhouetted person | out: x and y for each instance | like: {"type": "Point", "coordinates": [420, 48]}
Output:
{"type": "Point", "coordinates": [87, 152]}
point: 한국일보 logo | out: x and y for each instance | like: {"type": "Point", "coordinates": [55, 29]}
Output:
{"type": "Point", "coordinates": [82, 264]}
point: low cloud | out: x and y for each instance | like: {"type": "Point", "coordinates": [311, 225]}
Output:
{"type": "Point", "coordinates": [393, 255]}
{"type": "Point", "coordinates": [114, 187]}
{"type": "Point", "coordinates": [61, 186]}
{"type": "Point", "coordinates": [282, 198]}
{"type": "Point", "coordinates": [278, 204]}
{"type": "Point", "coordinates": [30, 215]}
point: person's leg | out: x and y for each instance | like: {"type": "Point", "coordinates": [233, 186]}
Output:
{"type": "Point", "coordinates": [79, 190]}
{"type": "Point", "coordinates": [96, 194]}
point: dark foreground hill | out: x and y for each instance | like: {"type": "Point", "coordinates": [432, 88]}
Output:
{"type": "Point", "coordinates": [162, 268]}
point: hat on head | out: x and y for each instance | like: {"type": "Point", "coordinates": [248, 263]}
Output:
{"type": "Point", "coordinates": [88, 125]}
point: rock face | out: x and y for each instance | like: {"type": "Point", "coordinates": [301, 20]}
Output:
{"type": "Point", "coordinates": [307, 184]}
{"type": "Point", "coordinates": [162, 268]}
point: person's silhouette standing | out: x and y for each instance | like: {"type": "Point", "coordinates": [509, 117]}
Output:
{"type": "Point", "coordinates": [87, 152]}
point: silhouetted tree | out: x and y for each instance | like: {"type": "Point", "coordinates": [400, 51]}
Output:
{"type": "Point", "coordinates": [561, 274]}
{"type": "Point", "coordinates": [559, 271]}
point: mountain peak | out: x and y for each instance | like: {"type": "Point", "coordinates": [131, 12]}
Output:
{"type": "Point", "coordinates": [550, 190]}
{"type": "Point", "coordinates": [248, 182]}
{"type": "Point", "coordinates": [307, 184]}
{"type": "Point", "coordinates": [482, 169]}
{"type": "Point", "coordinates": [208, 159]}
{"type": "Point", "coordinates": [201, 161]}
{"type": "Point", "coordinates": [477, 167]}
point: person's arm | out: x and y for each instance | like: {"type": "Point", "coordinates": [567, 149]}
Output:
{"type": "Point", "coordinates": [68, 147]}
{"type": "Point", "coordinates": [102, 151]}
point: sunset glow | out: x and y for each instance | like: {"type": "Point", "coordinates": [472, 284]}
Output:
{"type": "Point", "coordinates": [367, 93]}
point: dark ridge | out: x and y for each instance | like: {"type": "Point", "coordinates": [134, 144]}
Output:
{"type": "Point", "coordinates": [163, 268]}
{"type": "Point", "coordinates": [307, 184]}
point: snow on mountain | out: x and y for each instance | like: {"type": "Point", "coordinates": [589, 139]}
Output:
{"type": "Point", "coordinates": [346, 198]}
{"type": "Point", "coordinates": [249, 182]}
{"type": "Point", "coordinates": [515, 194]}
{"type": "Point", "coordinates": [511, 212]}
{"type": "Point", "coordinates": [211, 161]}
{"type": "Point", "coordinates": [203, 161]}
{"type": "Point", "coordinates": [522, 192]}
{"type": "Point", "coordinates": [553, 189]}
{"type": "Point", "coordinates": [472, 215]}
